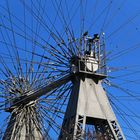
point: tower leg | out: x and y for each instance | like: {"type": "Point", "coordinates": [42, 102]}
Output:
{"type": "Point", "coordinates": [89, 106]}
{"type": "Point", "coordinates": [24, 125]}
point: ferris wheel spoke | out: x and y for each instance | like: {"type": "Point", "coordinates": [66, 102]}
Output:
{"type": "Point", "coordinates": [46, 89]}
{"type": "Point", "coordinates": [82, 18]}
{"type": "Point", "coordinates": [99, 15]}
{"type": "Point", "coordinates": [56, 104]}
{"type": "Point", "coordinates": [41, 77]}
{"type": "Point", "coordinates": [34, 15]}
{"type": "Point", "coordinates": [7, 70]}
{"type": "Point", "coordinates": [126, 81]}
{"type": "Point", "coordinates": [60, 13]}
{"type": "Point", "coordinates": [131, 112]}
{"type": "Point", "coordinates": [127, 115]}
{"type": "Point", "coordinates": [128, 21]}
{"type": "Point", "coordinates": [124, 52]}
{"type": "Point", "coordinates": [114, 14]}
{"type": "Point", "coordinates": [127, 122]}
{"type": "Point", "coordinates": [21, 35]}
{"type": "Point", "coordinates": [128, 118]}
{"type": "Point", "coordinates": [9, 52]}
{"type": "Point", "coordinates": [69, 17]}
{"type": "Point", "coordinates": [19, 68]}
{"type": "Point", "coordinates": [106, 17]}
{"type": "Point", "coordinates": [47, 51]}
{"type": "Point", "coordinates": [128, 92]}
{"type": "Point", "coordinates": [51, 122]}
{"type": "Point", "coordinates": [39, 66]}
{"type": "Point", "coordinates": [50, 62]}
{"type": "Point", "coordinates": [3, 126]}
{"type": "Point", "coordinates": [58, 94]}
{"type": "Point", "coordinates": [29, 38]}
{"type": "Point", "coordinates": [40, 20]}
{"type": "Point", "coordinates": [51, 22]}
{"type": "Point", "coordinates": [66, 26]}
{"type": "Point", "coordinates": [127, 74]}
{"type": "Point", "coordinates": [54, 111]}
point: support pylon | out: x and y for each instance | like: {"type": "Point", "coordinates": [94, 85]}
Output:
{"type": "Point", "coordinates": [89, 105]}
{"type": "Point", "coordinates": [23, 125]}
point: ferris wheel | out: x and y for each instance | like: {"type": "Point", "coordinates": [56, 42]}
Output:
{"type": "Point", "coordinates": [69, 70]}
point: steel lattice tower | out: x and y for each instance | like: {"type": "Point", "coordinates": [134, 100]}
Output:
{"type": "Point", "coordinates": [89, 104]}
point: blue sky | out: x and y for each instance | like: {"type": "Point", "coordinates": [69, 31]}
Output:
{"type": "Point", "coordinates": [118, 19]}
